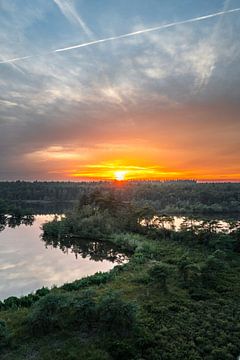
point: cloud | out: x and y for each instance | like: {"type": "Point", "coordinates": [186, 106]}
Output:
{"type": "Point", "coordinates": [69, 11]}
{"type": "Point", "coordinates": [202, 60]}
{"type": "Point", "coordinates": [65, 6]}
{"type": "Point", "coordinates": [168, 98]}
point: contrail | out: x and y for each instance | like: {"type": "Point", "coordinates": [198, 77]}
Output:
{"type": "Point", "coordinates": [15, 59]}
{"type": "Point", "coordinates": [135, 33]}
{"type": "Point", "coordinates": [69, 11]}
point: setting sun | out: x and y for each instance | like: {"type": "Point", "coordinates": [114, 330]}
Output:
{"type": "Point", "coordinates": [120, 175]}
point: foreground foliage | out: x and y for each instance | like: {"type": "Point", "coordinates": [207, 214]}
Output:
{"type": "Point", "coordinates": [177, 297]}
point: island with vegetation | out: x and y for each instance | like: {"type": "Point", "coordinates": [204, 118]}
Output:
{"type": "Point", "coordinates": [176, 296]}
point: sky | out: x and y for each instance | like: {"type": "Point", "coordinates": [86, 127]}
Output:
{"type": "Point", "coordinates": [160, 102]}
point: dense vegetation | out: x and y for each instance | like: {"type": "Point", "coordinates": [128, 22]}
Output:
{"type": "Point", "coordinates": [177, 297]}
{"type": "Point", "coordinates": [7, 207]}
{"type": "Point", "coordinates": [169, 197]}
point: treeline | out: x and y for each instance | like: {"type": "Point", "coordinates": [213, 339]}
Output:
{"type": "Point", "coordinates": [43, 191]}
{"type": "Point", "coordinates": [7, 207]}
{"type": "Point", "coordinates": [190, 198]}
{"type": "Point", "coordinates": [169, 197]}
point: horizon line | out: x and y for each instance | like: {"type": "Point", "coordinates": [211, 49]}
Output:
{"type": "Point", "coordinates": [198, 181]}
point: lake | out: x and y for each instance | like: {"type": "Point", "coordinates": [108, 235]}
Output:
{"type": "Point", "coordinates": [28, 263]}
{"type": "Point", "coordinates": [177, 223]}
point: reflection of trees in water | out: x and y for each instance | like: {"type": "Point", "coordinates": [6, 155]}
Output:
{"type": "Point", "coordinates": [194, 224]}
{"type": "Point", "coordinates": [198, 225]}
{"type": "Point", "coordinates": [163, 222]}
{"type": "Point", "coordinates": [94, 250]}
{"type": "Point", "coordinates": [47, 208]}
{"type": "Point", "coordinates": [14, 220]}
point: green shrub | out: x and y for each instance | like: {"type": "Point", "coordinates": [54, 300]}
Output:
{"type": "Point", "coordinates": [28, 300]}
{"type": "Point", "coordinates": [117, 318]}
{"type": "Point", "coordinates": [159, 273]}
{"type": "Point", "coordinates": [11, 302]}
{"type": "Point", "coordinates": [85, 311]}
{"type": "Point", "coordinates": [122, 348]}
{"type": "Point", "coordinates": [52, 228]}
{"type": "Point", "coordinates": [212, 268]}
{"type": "Point", "coordinates": [48, 314]}
{"type": "Point", "coordinates": [96, 279]}
{"type": "Point", "coordinates": [111, 318]}
{"type": "Point", "coordinates": [129, 241]}
{"type": "Point", "coordinates": [42, 292]}
{"type": "Point", "coordinates": [75, 351]}
{"type": "Point", "coordinates": [4, 334]}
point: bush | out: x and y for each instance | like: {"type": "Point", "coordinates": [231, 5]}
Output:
{"type": "Point", "coordinates": [122, 349]}
{"type": "Point", "coordinates": [117, 318]}
{"type": "Point", "coordinates": [96, 279]}
{"type": "Point", "coordinates": [111, 319]}
{"type": "Point", "coordinates": [75, 350]}
{"type": "Point", "coordinates": [211, 270]}
{"type": "Point", "coordinates": [159, 273]}
{"type": "Point", "coordinates": [48, 314]}
{"type": "Point", "coordinates": [127, 241]}
{"type": "Point", "coordinates": [28, 300]}
{"type": "Point", "coordinates": [52, 228]}
{"type": "Point", "coordinates": [42, 292]}
{"type": "Point", "coordinates": [11, 302]}
{"type": "Point", "coordinates": [85, 312]}
{"type": "Point", "coordinates": [4, 334]}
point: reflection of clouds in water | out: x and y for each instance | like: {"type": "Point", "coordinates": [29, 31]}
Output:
{"type": "Point", "coordinates": [42, 269]}
{"type": "Point", "coordinates": [3, 252]}
{"type": "Point", "coordinates": [27, 265]}
{"type": "Point", "coordinates": [7, 267]}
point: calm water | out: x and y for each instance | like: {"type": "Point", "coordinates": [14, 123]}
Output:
{"type": "Point", "coordinates": [27, 262]}
{"type": "Point", "coordinates": [178, 222]}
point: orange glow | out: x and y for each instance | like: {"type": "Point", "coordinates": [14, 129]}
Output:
{"type": "Point", "coordinates": [140, 160]}
{"type": "Point", "coordinates": [119, 171]}
{"type": "Point", "coordinates": [110, 171]}
{"type": "Point", "coordinates": [120, 175]}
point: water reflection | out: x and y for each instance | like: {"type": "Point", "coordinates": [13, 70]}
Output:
{"type": "Point", "coordinates": [46, 207]}
{"type": "Point", "coordinates": [194, 224]}
{"type": "Point", "coordinates": [27, 263]}
{"type": "Point", "coordinates": [92, 249]}
{"type": "Point", "coordinates": [14, 220]}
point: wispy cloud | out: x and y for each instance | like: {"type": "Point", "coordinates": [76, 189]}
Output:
{"type": "Point", "coordinates": [175, 92]}
{"type": "Point", "coordinates": [69, 11]}
{"type": "Point", "coordinates": [131, 34]}
{"type": "Point", "coordinates": [144, 31]}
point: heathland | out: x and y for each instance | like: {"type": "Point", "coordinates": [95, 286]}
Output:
{"type": "Point", "coordinates": [177, 297]}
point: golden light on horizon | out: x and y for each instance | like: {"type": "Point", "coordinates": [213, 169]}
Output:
{"type": "Point", "coordinates": [120, 175]}
{"type": "Point", "coordinates": [124, 162]}
{"type": "Point", "coordinates": [122, 171]}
